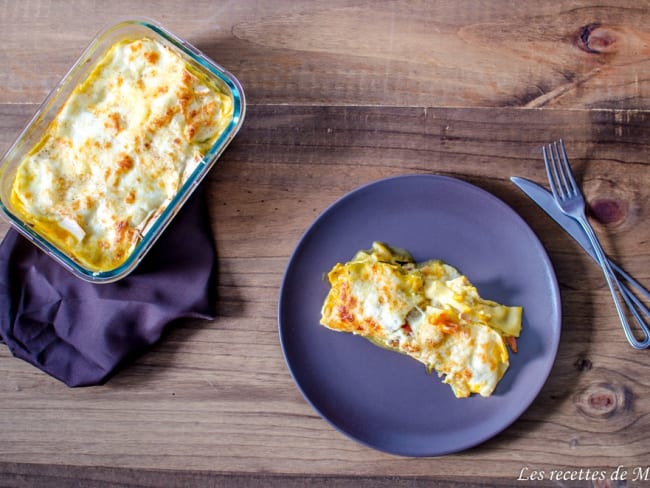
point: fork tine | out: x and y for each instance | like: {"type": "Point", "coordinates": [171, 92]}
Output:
{"type": "Point", "coordinates": [548, 171]}
{"type": "Point", "coordinates": [560, 172]}
{"type": "Point", "coordinates": [573, 186]}
{"type": "Point", "coordinates": [551, 172]}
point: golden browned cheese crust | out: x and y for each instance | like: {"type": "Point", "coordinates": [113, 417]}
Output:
{"type": "Point", "coordinates": [428, 311]}
{"type": "Point", "coordinates": [118, 151]}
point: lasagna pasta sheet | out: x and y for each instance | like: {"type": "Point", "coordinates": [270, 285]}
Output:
{"type": "Point", "coordinates": [118, 151]}
{"type": "Point", "coordinates": [429, 311]}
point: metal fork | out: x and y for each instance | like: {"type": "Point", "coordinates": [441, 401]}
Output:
{"type": "Point", "coordinates": [571, 201]}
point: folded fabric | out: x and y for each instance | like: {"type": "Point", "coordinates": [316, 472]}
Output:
{"type": "Point", "coordinates": [80, 332]}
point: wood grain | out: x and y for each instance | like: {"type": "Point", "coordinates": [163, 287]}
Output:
{"type": "Point", "coordinates": [570, 54]}
{"type": "Point", "coordinates": [217, 396]}
{"type": "Point", "coordinates": [341, 94]}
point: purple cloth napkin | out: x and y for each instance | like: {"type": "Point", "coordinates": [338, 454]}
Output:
{"type": "Point", "coordinates": [80, 332]}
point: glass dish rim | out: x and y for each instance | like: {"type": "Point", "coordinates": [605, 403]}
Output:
{"type": "Point", "coordinates": [103, 42]}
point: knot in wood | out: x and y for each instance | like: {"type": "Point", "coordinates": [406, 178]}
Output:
{"type": "Point", "coordinates": [604, 400]}
{"type": "Point", "coordinates": [583, 364]}
{"type": "Point", "coordinates": [608, 210]}
{"type": "Point", "coordinates": [595, 38]}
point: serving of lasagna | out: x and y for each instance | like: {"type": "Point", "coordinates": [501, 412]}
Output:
{"type": "Point", "coordinates": [428, 311]}
{"type": "Point", "coordinates": [118, 151]}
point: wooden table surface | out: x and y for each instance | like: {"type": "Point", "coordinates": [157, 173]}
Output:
{"type": "Point", "coordinates": [340, 94]}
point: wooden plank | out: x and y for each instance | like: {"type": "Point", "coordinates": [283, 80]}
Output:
{"type": "Point", "coordinates": [99, 477]}
{"type": "Point", "coordinates": [216, 396]}
{"type": "Point", "coordinates": [403, 53]}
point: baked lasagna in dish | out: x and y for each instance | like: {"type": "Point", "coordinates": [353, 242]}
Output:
{"type": "Point", "coordinates": [118, 151]}
{"type": "Point", "coordinates": [428, 311]}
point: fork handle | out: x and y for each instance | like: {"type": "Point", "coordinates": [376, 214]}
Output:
{"type": "Point", "coordinates": [632, 301]}
{"type": "Point", "coordinates": [638, 286]}
{"type": "Point", "coordinates": [613, 283]}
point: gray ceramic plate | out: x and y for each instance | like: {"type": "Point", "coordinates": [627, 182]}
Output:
{"type": "Point", "coordinates": [386, 400]}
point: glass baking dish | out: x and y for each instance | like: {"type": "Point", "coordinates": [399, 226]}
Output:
{"type": "Point", "coordinates": [207, 72]}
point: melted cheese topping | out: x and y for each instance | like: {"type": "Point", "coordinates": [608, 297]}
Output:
{"type": "Point", "coordinates": [428, 311]}
{"type": "Point", "coordinates": [118, 151]}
